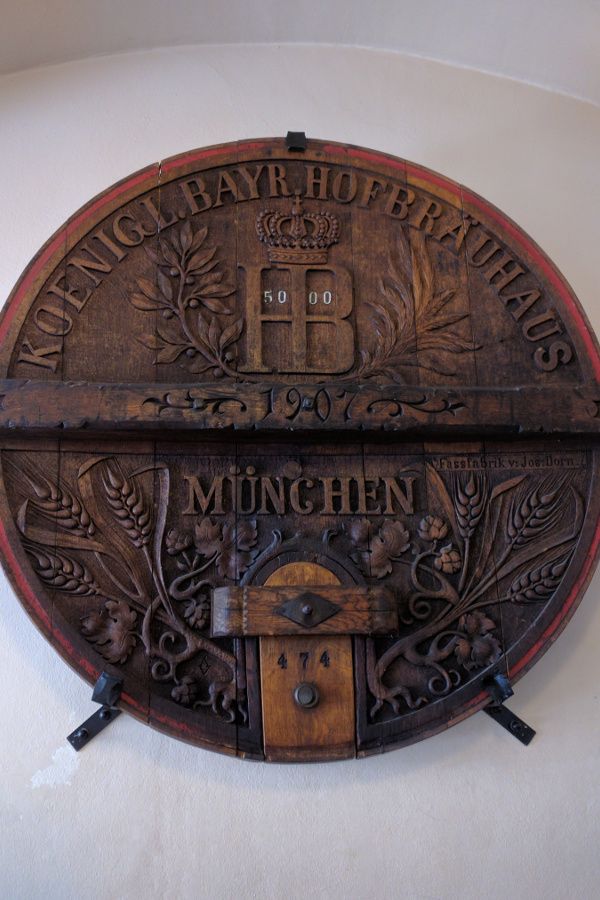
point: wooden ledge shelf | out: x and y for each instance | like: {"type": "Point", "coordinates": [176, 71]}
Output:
{"type": "Point", "coordinates": [39, 407]}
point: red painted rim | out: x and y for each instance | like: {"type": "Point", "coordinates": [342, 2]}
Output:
{"type": "Point", "coordinates": [98, 204]}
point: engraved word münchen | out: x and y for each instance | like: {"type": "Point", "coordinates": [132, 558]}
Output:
{"type": "Point", "coordinates": [247, 493]}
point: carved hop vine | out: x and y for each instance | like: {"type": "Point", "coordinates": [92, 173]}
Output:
{"type": "Point", "coordinates": [475, 646]}
{"type": "Point", "coordinates": [411, 316]}
{"type": "Point", "coordinates": [112, 630]}
{"type": "Point", "coordinates": [432, 528]}
{"type": "Point", "coordinates": [106, 540]}
{"type": "Point", "coordinates": [375, 552]}
{"type": "Point", "coordinates": [530, 525]}
{"type": "Point", "coordinates": [189, 292]}
{"type": "Point", "coordinates": [231, 547]}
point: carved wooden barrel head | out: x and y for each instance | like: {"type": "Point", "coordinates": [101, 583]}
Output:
{"type": "Point", "coordinates": [301, 444]}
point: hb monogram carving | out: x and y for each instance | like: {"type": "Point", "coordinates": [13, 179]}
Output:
{"type": "Point", "coordinates": [298, 306]}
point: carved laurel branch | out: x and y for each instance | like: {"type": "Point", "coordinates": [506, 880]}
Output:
{"type": "Point", "coordinates": [412, 321]}
{"type": "Point", "coordinates": [531, 526]}
{"type": "Point", "coordinates": [106, 539]}
{"type": "Point", "coordinates": [190, 295]}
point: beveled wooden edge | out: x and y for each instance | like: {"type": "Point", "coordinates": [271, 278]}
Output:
{"type": "Point", "coordinates": [40, 408]}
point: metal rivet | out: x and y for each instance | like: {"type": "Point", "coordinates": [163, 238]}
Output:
{"type": "Point", "coordinates": [307, 609]}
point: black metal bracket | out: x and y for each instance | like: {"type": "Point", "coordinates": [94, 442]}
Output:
{"type": "Point", "coordinates": [500, 689]}
{"type": "Point", "coordinates": [107, 691]}
{"type": "Point", "coordinates": [295, 140]}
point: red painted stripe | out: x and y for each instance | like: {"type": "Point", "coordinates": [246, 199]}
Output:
{"type": "Point", "coordinates": [186, 158]}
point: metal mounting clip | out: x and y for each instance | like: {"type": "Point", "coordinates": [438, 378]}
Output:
{"type": "Point", "coordinates": [107, 691]}
{"type": "Point", "coordinates": [295, 140]}
{"type": "Point", "coordinates": [499, 688]}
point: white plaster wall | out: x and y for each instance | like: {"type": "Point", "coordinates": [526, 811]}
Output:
{"type": "Point", "coordinates": [468, 814]}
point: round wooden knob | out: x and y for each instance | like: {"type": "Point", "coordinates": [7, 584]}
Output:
{"type": "Point", "coordinates": [306, 695]}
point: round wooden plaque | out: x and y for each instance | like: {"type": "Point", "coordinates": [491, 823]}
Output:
{"type": "Point", "coordinates": [300, 444]}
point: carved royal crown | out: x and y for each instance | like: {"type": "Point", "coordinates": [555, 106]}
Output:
{"type": "Point", "coordinates": [297, 236]}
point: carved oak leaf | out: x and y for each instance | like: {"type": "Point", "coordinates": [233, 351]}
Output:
{"type": "Point", "coordinates": [111, 629]}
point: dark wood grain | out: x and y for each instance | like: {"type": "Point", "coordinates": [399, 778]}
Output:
{"type": "Point", "coordinates": [252, 611]}
{"type": "Point", "coordinates": [44, 407]}
{"type": "Point", "coordinates": [248, 374]}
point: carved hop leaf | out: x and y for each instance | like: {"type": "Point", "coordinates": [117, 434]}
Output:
{"type": "Point", "coordinates": [207, 537]}
{"type": "Point", "coordinates": [112, 630]}
{"type": "Point", "coordinates": [432, 528]}
{"type": "Point", "coordinates": [476, 648]}
{"type": "Point", "coordinates": [232, 546]}
{"type": "Point", "coordinates": [196, 613]}
{"type": "Point", "coordinates": [448, 560]}
{"type": "Point", "coordinates": [375, 553]}
{"type": "Point", "coordinates": [185, 692]}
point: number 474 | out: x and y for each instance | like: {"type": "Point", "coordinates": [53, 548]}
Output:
{"type": "Point", "coordinates": [324, 659]}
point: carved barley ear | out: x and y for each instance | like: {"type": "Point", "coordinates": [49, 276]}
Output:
{"type": "Point", "coordinates": [128, 504]}
{"type": "Point", "coordinates": [535, 511]}
{"type": "Point", "coordinates": [61, 572]}
{"type": "Point", "coordinates": [68, 511]}
{"type": "Point", "coordinates": [470, 503]}
{"type": "Point", "coordinates": [58, 502]}
{"type": "Point", "coordinates": [538, 585]}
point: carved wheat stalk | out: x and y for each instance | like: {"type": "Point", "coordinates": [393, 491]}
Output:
{"type": "Point", "coordinates": [62, 572]}
{"type": "Point", "coordinates": [531, 515]}
{"type": "Point", "coordinates": [469, 505]}
{"type": "Point", "coordinates": [537, 586]}
{"type": "Point", "coordinates": [61, 504]}
{"type": "Point", "coordinates": [69, 511]}
{"type": "Point", "coordinates": [129, 507]}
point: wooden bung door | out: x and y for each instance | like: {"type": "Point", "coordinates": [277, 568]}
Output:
{"type": "Point", "coordinates": [307, 682]}
{"type": "Point", "coordinates": [299, 444]}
